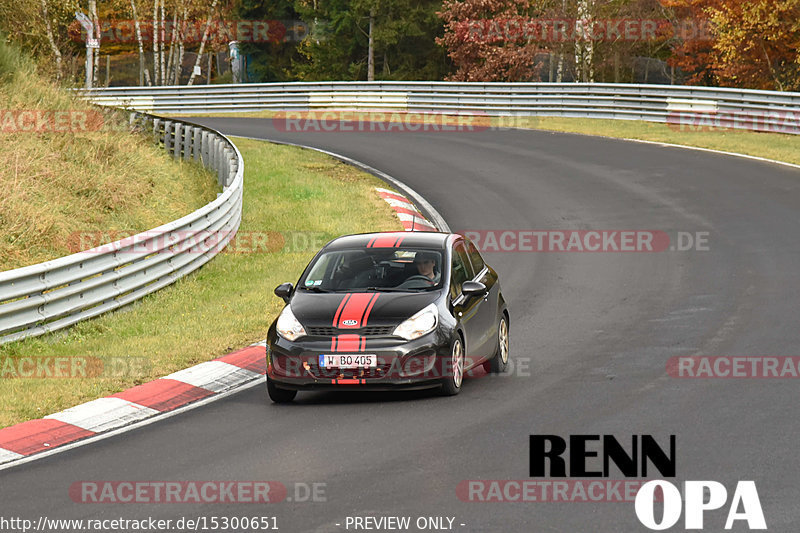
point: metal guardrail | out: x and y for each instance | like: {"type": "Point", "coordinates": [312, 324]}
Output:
{"type": "Point", "coordinates": [55, 294]}
{"type": "Point", "coordinates": [758, 110]}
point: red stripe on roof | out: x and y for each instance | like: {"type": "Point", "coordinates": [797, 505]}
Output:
{"type": "Point", "coordinates": [388, 241]}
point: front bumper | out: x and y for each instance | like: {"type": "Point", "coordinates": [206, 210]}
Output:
{"type": "Point", "coordinates": [401, 364]}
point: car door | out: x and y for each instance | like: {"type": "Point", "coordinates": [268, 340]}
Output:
{"type": "Point", "coordinates": [486, 318]}
{"type": "Point", "coordinates": [466, 309]}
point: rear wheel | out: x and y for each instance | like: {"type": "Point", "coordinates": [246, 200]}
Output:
{"type": "Point", "coordinates": [499, 362]}
{"type": "Point", "coordinates": [454, 370]}
{"type": "Point", "coordinates": [279, 395]}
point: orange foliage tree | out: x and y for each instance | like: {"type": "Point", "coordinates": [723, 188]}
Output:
{"type": "Point", "coordinates": [757, 43]}
{"type": "Point", "coordinates": [750, 44]}
{"type": "Point", "coordinates": [482, 53]}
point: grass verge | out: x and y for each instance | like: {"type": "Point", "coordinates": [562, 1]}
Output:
{"type": "Point", "coordinates": [294, 201]}
{"type": "Point", "coordinates": [70, 170]}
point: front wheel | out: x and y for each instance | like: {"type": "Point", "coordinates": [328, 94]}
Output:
{"type": "Point", "coordinates": [278, 395]}
{"type": "Point", "coordinates": [499, 362]}
{"type": "Point", "coordinates": [454, 375]}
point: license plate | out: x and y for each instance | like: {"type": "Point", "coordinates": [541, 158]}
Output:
{"type": "Point", "coordinates": [348, 360]}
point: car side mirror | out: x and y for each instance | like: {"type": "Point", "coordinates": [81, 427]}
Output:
{"type": "Point", "coordinates": [284, 290]}
{"type": "Point", "coordinates": [473, 288]}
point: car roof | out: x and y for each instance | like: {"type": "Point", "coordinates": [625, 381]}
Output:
{"type": "Point", "coordinates": [392, 239]}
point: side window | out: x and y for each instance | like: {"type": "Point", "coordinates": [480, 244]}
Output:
{"type": "Point", "coordinates": [461, 270]}
{"type": "Point", "coordinates": [475, 257]}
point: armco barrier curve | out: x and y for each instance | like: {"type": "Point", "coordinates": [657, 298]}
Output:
{"type": "Point", "coordinates": [768, 110]}
{"type": "Point", "coordinates": [49, 296]}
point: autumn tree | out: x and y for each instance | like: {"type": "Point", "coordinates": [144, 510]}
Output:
{"type": "Point", "coordinates": [757, 43]}
{"type": "Point", "coordinates": [475, 37]}
{"type": "Point", "coordinates": [692, 43]}
{"type": "Point", "coordinates": [500, 39]}
{"type": "Point", "coordinates": [40, 28]}
{"type": "Point", "coordinates": [753, 44]}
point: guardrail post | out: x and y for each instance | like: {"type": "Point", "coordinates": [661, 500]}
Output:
{"type": "Point", "coordinates": [168, 135]}
{"type": "Point", "coordinates": [232, 167]}
{"type": "Point", "coordinates": [223, 168]}
{"type": "Point", "coordinates": [197, 145]}
{"type": "Point", "coordinates": [187, 142]}
{"type": "Point", "coordinates": [178, 143]}
{"type": "Point", "coordinates": [137, 120]}
{"type": "Point", "coordinates": [218, 159]}
{"type": "Point", "coordinates": [157, 130]}
{"type": "Point", "coordinates": [204, 148]}
{"type": "Point", "coordinates": [212, 152]}
{"type": "Point", "coordinates": [223, 160]}
{"type": "Point", "coordinates": [226, 171]}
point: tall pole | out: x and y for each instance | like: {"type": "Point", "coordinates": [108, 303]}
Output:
{"type": "Point", "coordinates": [371, 49]}
{"type": "Point", "coordinates": [89, 65]}
{"type": "Point", "coordinates": [91, 43]}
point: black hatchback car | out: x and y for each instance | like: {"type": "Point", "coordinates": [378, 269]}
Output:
{"type": "Point", "coordinates": [383, 311]}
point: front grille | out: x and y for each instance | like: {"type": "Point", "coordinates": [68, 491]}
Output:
{"type": "Point", "coordinates": [321, 332]}
{"type": "Point", "coordinates": [338, 373]}
{"type": "Point", "coordinates": [370, 331]}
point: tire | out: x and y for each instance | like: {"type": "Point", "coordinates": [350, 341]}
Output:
{"type": "Point", "coordinates": [278, 395]}
{"type": "Point", "coordinates": [499, 363]}
{"type": "Point", "coordinates": [451, 385]}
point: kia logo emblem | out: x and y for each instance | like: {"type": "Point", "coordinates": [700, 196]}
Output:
{"type": "Point", "coordinates": [349, 322]}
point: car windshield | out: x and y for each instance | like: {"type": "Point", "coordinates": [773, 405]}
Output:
{"type": "Point", "coordinates": [379, 269]}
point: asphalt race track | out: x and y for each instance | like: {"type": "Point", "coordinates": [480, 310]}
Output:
{"type": "Point", "coordinates": [590, 336]}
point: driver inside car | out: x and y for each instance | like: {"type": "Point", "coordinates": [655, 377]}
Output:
{"type": "Point", "coordinates": [425, 264]}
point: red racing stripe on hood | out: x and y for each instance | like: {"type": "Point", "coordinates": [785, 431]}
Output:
{"type": "Point", "coordinates": [339, 309]}
{"type": "Point", "coordinates": [354, 310]}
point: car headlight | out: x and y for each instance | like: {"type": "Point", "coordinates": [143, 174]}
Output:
{"type": "Point", "coordinates": [419, 324]}
{"type": "Point", "coordinates": [288, 326]}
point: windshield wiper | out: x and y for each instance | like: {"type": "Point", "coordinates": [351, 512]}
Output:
{"type": "Point", "coordinates": [315, 289]}
{"type": "Point", "coordinates": [387, 289]}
